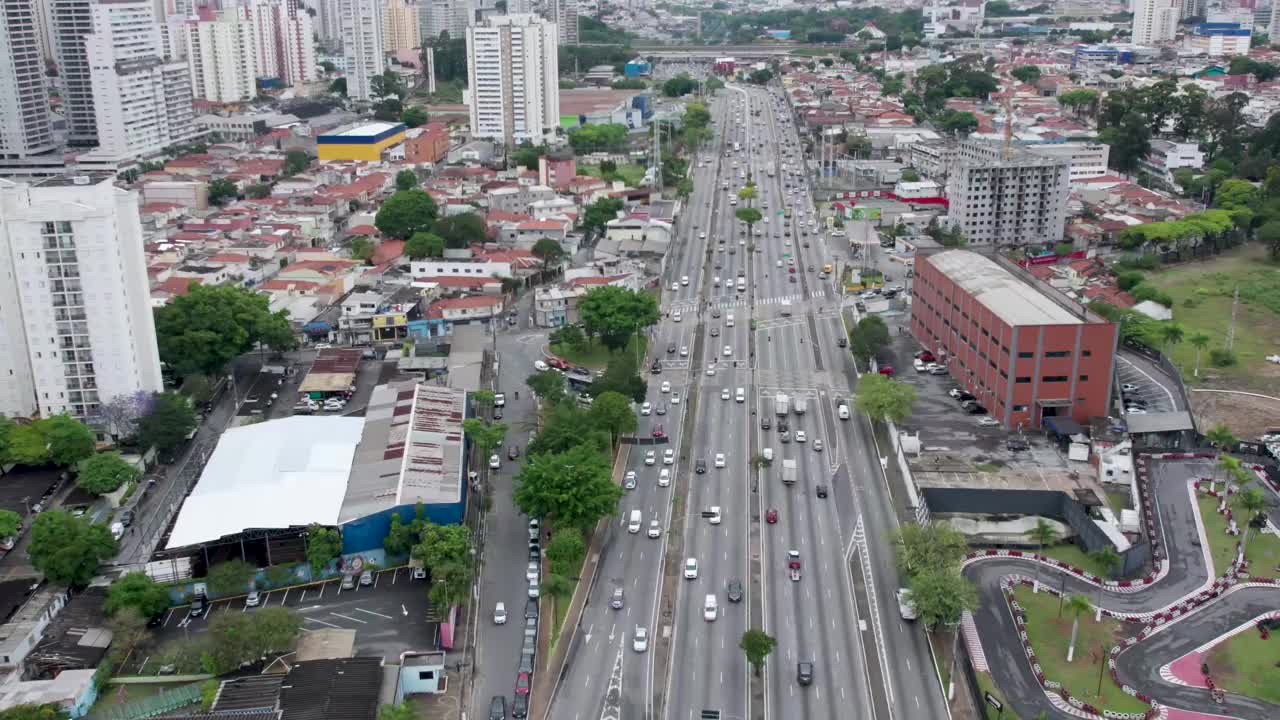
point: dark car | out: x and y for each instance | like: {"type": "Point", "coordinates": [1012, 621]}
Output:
{"type": "Point", "coordinates": [804, 673]}
{"type": "Point", "coordinates": [715, 332]}
{"type": "Point", "coordinates": [842, 342]}
{"type": "Point", "coordinates": [976, 410]}
{"type": "Point", "coordinates": [656, 367]}
{"type": "Point", "coordinates": [764, 423]}
{"type": "Point", "coordinates": [199, 604]}
{"type": "Point", "coordinates": [531, 608]}
{"type": "Point", "coordinates": [616, 601]}
{"type": "Point", "coordinates": [520, 707]}
{"type": "Point", "coordinates": [497, 413]}
{"type": "Point", "coordinates": [671, 348]}
{"type": "Point", "coordinates": [513, 452]}
{"type": "Point", "coordinates": [700, 467]}
{"type": "Point", "coordinates": [964, 396]}
{"type": "Point", "coordinates": [498, 708]}
{"type": "Point", "coordinates": [734, 591]}
{"type": "Point", "coordinates": [526, 663]}
{"type": "Point", "coordinates": [822, 491]}
{"type": "Point", "coordinates": [126, 518]}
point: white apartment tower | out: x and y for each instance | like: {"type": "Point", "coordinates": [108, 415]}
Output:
{"type": "Point", "coordinates": [223, 59]}
{"type": "Point", "coordinates": [75, 309]}
{"type": "Point", "coordinates": [400, 29]}
{"type": "Point", "coordinates": [141, 100]}
{"type": "Point", "coordinates": [513, 73]}
{"type": "Point", "coordinates": [329, 22]}
{"type": "Point", "coordinates": [362, 45]}
{"type": "Point", "coordinates": [285, 40]}
{"type": "Point", "coordinates": [1013, 201]}
{"type": "Point", "coordinates": [564, 13]}
{"type": "Point", "coordinates": [70, 21]}
{"type": "Point", "coordinates": [1155, 21]}
{"type": "Point", "coordinates": [24, 105]}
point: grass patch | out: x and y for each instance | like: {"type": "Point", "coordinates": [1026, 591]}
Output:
{"type": "Point", "coordinates": [558, 617]}
{"type": "Point", "coordinates": [595, 355]}
{"type": "Point", "coordinates": [1246, 664]}
{"type": "Point", "coordinates": [1050, 635]}
{"type": "Point", "coordinates": [447, 93]}
{"type": "Point", "coordinates": [630, 173]}
{"type": "Point", "coordinates": [987, 467]}
{"type": "Point", "coordinates": [1202, 296]}
{"type": "Point", "coordinates": [114, 695]}
{"type": "Point", "coordinates": [1071, 554]}
{"type": "Point", "coordinates": [1262, 552]}
{"type": "Point", "coordinates": [1118, 500]}
{"type": "Point", "coordinates": [987, 685]}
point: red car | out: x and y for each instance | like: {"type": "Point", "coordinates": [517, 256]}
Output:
{"type": "Point", "coordinates": [522, 683]}
{"type": "Point", "coordinates": [658, 432]}
{"type": "Point", "coordinates": [925, 356]}
{"type": "Point", "coordinates": [791, 269]}
{"type": "Point", "coordinates": [886, 370]}
{"type": "Point", "coordinates": [771, 516]}
{"type": "Point", "coordinates": [558, 363]}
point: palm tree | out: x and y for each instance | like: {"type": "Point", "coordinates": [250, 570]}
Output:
{"type": "Point", "coordinates": [1109, 559]}
{"type": "Point", "coordinates": [1077, 605]}
{"type": "Point", "coordinates": [1171, 333]}
{"type": "Point", "coordinates": [1251, 501]}
{"type": "Point", "coordinates": [1200, 341]}
{"type": "Point", "coordinates": [1044, 534]}
{"type": "Point", "coordinates": [1220, 436]}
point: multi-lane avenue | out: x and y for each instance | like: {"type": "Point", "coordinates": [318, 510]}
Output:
{"type": "Point", "coordinates": [726, 352]}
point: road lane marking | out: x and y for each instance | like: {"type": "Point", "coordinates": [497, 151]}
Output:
{"type": "Point", "coordinates": [345, 617]}
{"type": "Point", "coordinates": [370, 612]}
{"type": "Point", "coordinates": [314, 620]}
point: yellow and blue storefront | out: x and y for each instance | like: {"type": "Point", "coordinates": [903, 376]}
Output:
{"type": "Point", "coordinates": [356, 145]}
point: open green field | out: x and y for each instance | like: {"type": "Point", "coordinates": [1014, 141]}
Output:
{"type": "Point", "coordinates": [1050, 635]}
{"type": "Point", "coordinates": [1202, 292]}
{"type": "Point", "coordinates": [1262, 551]}
{"type": "Point", "coordinates": [1071, 554]}
{"type": "Point", "coordinates": [630, 173]}
{"type": "Point", "coordinates": [1248, 665]}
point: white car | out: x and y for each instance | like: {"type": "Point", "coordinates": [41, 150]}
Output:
{"type": "Point", "coordinates": [640, 641]}
{"type": "Point", "coordinates": [655, 530]}
{"type": "Point", "coordinates": [494, 462]}
{"type": "Point", "coordinates": [713, 516]}
{"type": "Point", "coordinates": [664, 477]}
{"type": "Point", "coordinates": [675, 398]}
{"type": "Point", "coordinates": [675, 285]}
{"type": "Point", "coordinates": [724, 394]}
{"type": "Point", "coordinates": [691, 569]}
{"type": "Point", "coordinates": [711, 369]}
{"type": "Point", "coordinates": [629, 482]}
{"type": "Point", "coordinates": [719, 460]}
{"type": "Point", "coordinates": [676, 317]}
{"type": "Point", "coordinates": [988, 421]}
{"type": "Point", "coordinates": [684, 279]}
{"type": "Point", "coordinates": [531, 573]}
{"type": "Point", "coordinates": [666, 386]}
{"type": "Point", "coordinates": [728, 351]}
{"type": "Point", "coordinates": [646, 408]}
{"type": "Point", "coordinates": [684, 351]}
{"type": "Point", "coordinates": [650, 457]}
{"type": "Point", "coordinates": [800, 436]}
{"type": "Point", "coordinates": [817, 446]}
{"type": "Point", "coordinates": [668, 457]}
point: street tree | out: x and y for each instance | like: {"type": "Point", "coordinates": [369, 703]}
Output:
{"type": "Point", "coordinates": [567, 426]}
{"type": "Point", "coordinates": [461, 230]}
{"type": "Point", "coordinates": [1251, 502]}
{"type": "Point", "coordinates": [222, 191]}
{"type": "Point", "coordinates": [1199, 341]}
{"type": "Point", "coordinates": [612, 410]}
{"type": "Point", "coordinates": [27, 711]}
{"type": "Point", "coordinates": [1107, 558]}
{"type": "Point", "coordinates": [569, 338]}
{"type": "Point", "coordinates": [105, 472]}
{"type": "Point", "coordinates": [405, 213]}
{"type": "Point", "coordinates": [549, 251]}
{"type": "Point", "coordinates": [67, 549]}
{"type": "Point", "coordinates": [441, 545]}
{"type": "Point", "coordinates": [750, 216]}
{"type": "Point", "coordinates": [621, 376]}
{"type": "Point", "coordinates": [67, 439]}
{"type": "Point", "coordinates": [1076, 606]}
{"type": "Point", "coordinates": [599, 213]}
{"type": "Point", "coordinates": [575, 487]}
{"type": "Point", "coordinates": [616, 314]}
{"type": "Point", "coordinates": [25, 444]}
{"type": "Point", "coordinates": [940, 597]}
{"type": "Point", "coordinates": [684, 188]}
{"type": "Point", "coordinates": [129, 629]}
{"type": "Point", "coordinates": [450, 584]}
{"type": "Point", "coordinates": [748, 192]}
{"type": "Point", "coordinates": [757, 645]}
{"type": "Point", "coordinates": [323, 544]}
{"type": "Point", "coordinates": [137, 591]}
{"type": "Point", "coordinates": [1171, 333]}
{"type": "Point", "coordinates": [230, 577]}
{"type": "Point", "coordinates": [120, 414]}
{"type": "Point", "coordinates": [406, 180]}
{"type": "Point", "coordinates": [487, 436]}
{"type": "Point", "coordinates": [10, 521]}
{"type": "Point", "coordinates": [203, 330]}
{"type": "Point", "coordinates": [424, 244]}
{"type": "Point", "coordinates": [295, 161]}
{"type": "Point", "coordinates": [1042, 534]}
{"type": "Point", "coordinates": [933, 546]}
{"type": "Point", "coordinates": [171, 420]}
{"type": "Point", "coordinates": [402, 535]}
{"type": "Point", "coordinates": [1220, 436]}
{"type": "Point", "coordinates": [414, 116]}
{"type": "Point", "coordinates": [868, 337]}
{"type": "Point", "coordinates": [880, 396]}
{"type": "Point", "coordinates": [547, 385]}
{"type": "Point", "coordinates": [565, 553]}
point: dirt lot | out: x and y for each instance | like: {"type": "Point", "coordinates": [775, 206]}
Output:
{"type": "Point", "coordinates": [1246, 415]}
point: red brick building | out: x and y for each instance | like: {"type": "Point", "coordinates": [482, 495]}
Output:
{"type": "Point", "coordinates": [428, 146]}
{"type": "Point", "coordinates": [1024, 354]}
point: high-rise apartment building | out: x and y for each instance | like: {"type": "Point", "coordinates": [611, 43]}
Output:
{"type": "Point", "coordinates": [285, 40]}
{"type": "Point", "coordinates": [400, 29]}
{"type": "Point", "coordinates": [70, 21]}
{"type": "Point", "coordinates": [1155, 21]}
{"type": "Point", "coordinates": [24, 104]}
{"type": "Point", "coordinates": [75, 308]}
{"type": "Point", "coordinates": [223, 58]}
{"type": "Point", "coordinates": [513, 73]}
{"type": "Point", "coordinates": [439, 16]}
{"type": "Point", "coordinates": [564, 13]}
{"type": "Point", "coordinates": [362, 45]}
{"type": "Point", "coordinates": [141, 99]}
{"type": "Point", "coordinates": [329, 23]}
{"type": "Point", "coordinates": [1017, 200]}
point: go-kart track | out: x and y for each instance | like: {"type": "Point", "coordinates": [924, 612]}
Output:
{"type": "Point", "coordinates": [1184, 607]}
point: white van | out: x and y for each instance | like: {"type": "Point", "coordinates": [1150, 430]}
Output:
{"type": "Point", "coordinates": [540, 366]}
{"type": "Point", "coordinates": [842, 411]}
{"type": "Point", "coordinates": [742, 285]}
{"type": "Point", "coordinates": [768, 454]}
{"type": "Point", "coordinates": [117, 530]}
{"type": "Point", "coordinates": [633, 525]}
{"type": "Point", "coordinates": [710, 609]}
{"type": "Point", "coordinates": [728, 320]}
{"type": "Point", "coordinates": [741, 395]}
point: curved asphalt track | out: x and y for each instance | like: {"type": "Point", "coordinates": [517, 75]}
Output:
{"type": "Point", "coordinates": [1139, 666]}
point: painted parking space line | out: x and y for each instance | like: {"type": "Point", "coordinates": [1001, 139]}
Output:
{"type": "Point", "coordinates": [348, 617]}
{"type": "Point", "coordinates": [314, 620]}
{"type": "Point", "coordinates": [370, 612]}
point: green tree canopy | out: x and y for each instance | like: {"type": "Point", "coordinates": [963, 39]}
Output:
{"type": "Point", "coordinates": [547, 385]}
{"type": "Point", "coordinates": [138, 591]}
{"type": "Point", "coordinates": [757, 645]}
{"type": "Point", "coordinates": [615, 314]}
{"type": "Point", "coordinates": [171, 419]}
{"type": "Point", "coordinates": [487, 436]}
{"type": "Point", "coordinates": [868, 337]}
{"type": "Point", "coordinates": [323, 545]}
{"type": "Point", "coordinates": [69, 549]}
{"type": "Point", "coordinates": [424, 244]}
{"type": "Point", "coordinates": [222, 191]}
{"type": "Point", "coordinates": [461, 230]}
{"type": "Point", "coordinates": [67, 439]}
{"type": "Point", "coordinates": [565, 552]}
{"type": "Point", "coordinates": [231, 577]}
{"type": "Point", "coordinates": [295, 161]}
{"type": "Point", "coordinates": [935, 546]}
{"type": "Point", "coordinates": [34, 712]}
{"type": "Point", "coordinates": [599, 213]}
{"type": "Point", "coordinates": [1026, 73]}
{"type": "Point", "coordinates": [612, 410]}
{"type": "Point", "coordinates": [105, 472]}
{"type": "Point", "coordinates": [575, 487]}
{"type": "Point", "coordinates": [940, 597]}
{"type": "Point", "coordinates": [587, 139]}
{"type": "Point", "coordinates": [405, 213]}
{"type": "Point", "coordinates": [679, 85]}
{"type": "Point", "coordinates": [202, 331]}
{"type": "Point", "coordinates": [406, 180]}
{"type": "Point", "coordinates": [882, 397]}
{"type": "Point", "coordinates": [549, 251]}
{"type": "Point", "coordinates": [413, 116]}
{"type": "Point", "coordinates": [10, 521]}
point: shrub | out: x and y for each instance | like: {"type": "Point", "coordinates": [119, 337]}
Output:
{"type": "Point", "coordinates": [1144, 291]}
{"type": "Point", "coordinates": [1221, 357]}
{"type": "Point", "coordinates": [1128, 279]}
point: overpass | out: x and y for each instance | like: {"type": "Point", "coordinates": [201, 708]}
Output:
{"type": "Point", "coordinates": [776, 48]}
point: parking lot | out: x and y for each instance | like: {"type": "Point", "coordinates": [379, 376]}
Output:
{"type": "Point", "coordinates": [389, 616]}
{"type": "Point", "coordinates": [1141, 389]}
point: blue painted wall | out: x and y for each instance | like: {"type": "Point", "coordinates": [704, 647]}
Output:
{"type": "Point", "coordinates": [365, 535]}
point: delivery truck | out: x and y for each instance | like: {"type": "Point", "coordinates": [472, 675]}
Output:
{"type": "Point", "coordinates": [780, 404]}
{"type": "Point", "coordinates": [801, 405]}
{"type": "Point", "coordinates": [789, 471]}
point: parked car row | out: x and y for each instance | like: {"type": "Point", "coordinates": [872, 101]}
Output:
{"type": "Point", "coordinates": [519, 705]}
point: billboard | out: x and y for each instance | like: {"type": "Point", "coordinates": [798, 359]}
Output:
{"type": "Point", "coordinates": [864, 213]}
